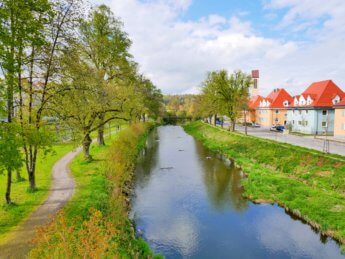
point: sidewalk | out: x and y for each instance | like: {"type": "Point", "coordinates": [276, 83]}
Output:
{"type": "Point", "coordinates": [336, 145]}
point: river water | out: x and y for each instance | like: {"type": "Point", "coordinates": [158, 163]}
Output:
{"type": "Point", "coordinates": [188, 203]}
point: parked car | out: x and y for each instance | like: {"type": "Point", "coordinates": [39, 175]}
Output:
{"type": "Point", "coordinates": [278, 128]}
{"type": "Point", "coordinates": [255, 125]}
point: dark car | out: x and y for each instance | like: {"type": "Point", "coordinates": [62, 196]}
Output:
{"type": "Point", "coordinates": [278, 128]}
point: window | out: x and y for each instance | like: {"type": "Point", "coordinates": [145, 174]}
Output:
{"type": "Point", "coordinates": [343, 126]}
{"type": "Point", "coordinates": [300, 112]}
{"type": "Point", "coordinates": [306, 112]}
{"type": "Point", "coordinates": [324, 112]}
{"type": "Point", "coordinates": [324, 124]}
{"type": "Point", "coordinates": [293, 122]}
{"type": "Point", "coordinates": [343, 112]}
{"type": "Point", "coordinates": [306, 123]}
{"type": "Point", "coordinates": [299, 123]}
{"type": "Point", "coordinates": [277, 111]}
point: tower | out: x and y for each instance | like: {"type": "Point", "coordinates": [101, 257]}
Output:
{"type": "Point", "coordinates": [254, 89]}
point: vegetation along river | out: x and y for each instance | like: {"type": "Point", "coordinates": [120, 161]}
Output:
{"type": "Point", "coordinates": [188, 204]}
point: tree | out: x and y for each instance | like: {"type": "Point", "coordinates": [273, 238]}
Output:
{"type": "Point", "coordinates": [226, 93]}
{"type": "Point", "coordinates": [10, 153]}
{"type": "Point", "coordinates": [87, 97]}
{"type": "Point", "coordinates": [106, 47]}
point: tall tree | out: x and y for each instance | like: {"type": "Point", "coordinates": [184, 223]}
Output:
{"type": "Point", "coordinates": [228, 92]}
{"type": "Point", "coordinates": [106, 47]}
{"type": "Point", "coordinates": [87, 97]}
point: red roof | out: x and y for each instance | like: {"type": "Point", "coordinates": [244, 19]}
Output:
{"type": "Point", "coordinates": [341, 103]}
{"type": "Point", "coordinates": [323, 93]}
{"type": "Point", "coordinates": [277, 98]}
{"type": "Point", "coordinates": [255, 101]}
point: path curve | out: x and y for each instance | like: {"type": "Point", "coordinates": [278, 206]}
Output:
{"type": "Point", "coordinates": [61, 191]}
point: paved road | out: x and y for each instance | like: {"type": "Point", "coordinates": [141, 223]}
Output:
{"type": "Point", "coordinates": [61, 191]}
{"type": "Point", "coordinates": [303, 141]}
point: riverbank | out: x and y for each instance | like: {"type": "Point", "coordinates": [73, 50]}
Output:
{"type": "Point", "coordinates": [24, 202]}
{"type": "Point", "coordinates": [308, 183]}
{"type": "Point", "coordinates": [95, 222]}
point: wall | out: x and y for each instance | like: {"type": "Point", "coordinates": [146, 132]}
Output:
{"type": "Point", "coordinates": [303, 121]}
{"type": "Point", "coordinates": [309, 121]}
{"type": "Point", "coordinates": [339, 122]}
{"type": "Point", "coordinates": [279, 116]}
{"type": "Point", "coordinates": [264, 117]}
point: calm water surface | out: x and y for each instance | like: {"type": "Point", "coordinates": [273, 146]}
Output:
{"type": "Point", "coordinates": [188, 204]}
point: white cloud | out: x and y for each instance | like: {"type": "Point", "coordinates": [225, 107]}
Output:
{"type": "Point", "coordinates": [177, 54]}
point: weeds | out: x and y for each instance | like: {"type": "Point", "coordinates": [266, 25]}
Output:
{"type": "Point", "coordinates": [95, 223]}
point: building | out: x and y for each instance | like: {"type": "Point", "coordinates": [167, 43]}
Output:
{"type": "Point", "coordinates": [312, 112]}
{"type": "Point", "coordinates": [339, 119]}
{"type": "Point", "coordinates": [254, 100]}
{"type": "Point", "coordinates": [253, 104]}
{"type": "Point", "coordinates": [273, 109]}
{"type": "Point", "coordinates": [254, 89]}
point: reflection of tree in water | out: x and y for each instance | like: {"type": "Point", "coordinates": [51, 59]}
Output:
{"type": "Point", "coordinates": [147, 160]}
{"type": "Point", "coordinates": [223, 182]}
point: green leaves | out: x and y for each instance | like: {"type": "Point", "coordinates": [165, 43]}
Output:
{"type": "Point", "coordinates": [225, 93]}
{"type": "Point", "coordinates": [10, 144]}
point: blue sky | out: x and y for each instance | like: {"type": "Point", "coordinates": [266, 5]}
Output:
{"type": "Point", "coordinates": [291, 42]}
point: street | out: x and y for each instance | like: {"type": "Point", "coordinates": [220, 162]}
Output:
{"type": "Point", "coordinates": [303, 141]}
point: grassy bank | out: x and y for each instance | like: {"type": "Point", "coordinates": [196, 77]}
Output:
{"type": "Point", "coordinates": [308, 183]}
{"type": "Point", "coordinates": [95, 223]}
{"type": "Point", "coordinates": [24, 201]}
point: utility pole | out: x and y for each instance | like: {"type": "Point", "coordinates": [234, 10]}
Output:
{"type": "Point", "coordinates": [326, 141]}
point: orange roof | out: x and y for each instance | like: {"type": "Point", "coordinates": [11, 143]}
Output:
{"type": "Point", "coordinates": [255, 101]}
{"type": "Point", "coordinates": [323, 93]}
{"type": "Point", "coordinates": [277, 98]}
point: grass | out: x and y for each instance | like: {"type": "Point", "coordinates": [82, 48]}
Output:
{"type": "Point", "coordinates": [24, 201]}
{"type": "Point", "coordinates": [95, 224]}
{"type": "Point", "coordinates": [309, 183]}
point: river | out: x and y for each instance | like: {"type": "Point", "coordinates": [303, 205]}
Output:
{"type": "Point", "coordinates": [188, 203]}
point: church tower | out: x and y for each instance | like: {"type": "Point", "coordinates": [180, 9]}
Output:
{"type": "Point", "coordinates": [254, 89]}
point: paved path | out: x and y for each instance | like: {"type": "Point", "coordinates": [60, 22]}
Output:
{"type": "Point", "coordinates": [61, 191]}
{"type": "Point", "coordinates": [303, 141]}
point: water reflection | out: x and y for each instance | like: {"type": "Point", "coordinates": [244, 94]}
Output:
{"type": "Point", "coordinates": [195, 208]}
{"type": "Point", "coordinates": [222, 180]}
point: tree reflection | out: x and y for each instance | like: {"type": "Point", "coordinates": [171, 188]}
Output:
{"type": "Point", "coordinates": [222, 181]}
{"type": "Point", "coordinates": [147, 160]}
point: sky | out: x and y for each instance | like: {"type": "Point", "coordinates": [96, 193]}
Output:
{"type": "Point", "coordinates": [292, 42]}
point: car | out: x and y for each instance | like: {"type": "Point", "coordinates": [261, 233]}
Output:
{"type": "Point", "coordinates": [255, 125]}
{"type": "Point", "coordinates": [278, 128]}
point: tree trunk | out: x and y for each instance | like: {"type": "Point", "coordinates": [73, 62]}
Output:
{"type": "Point", "coordinates": [245, 123]}
{"type": "Point", "coordinates": [32, 180]}
{"type": "Point", "coordinates": [86, 146]}
{"type": "Point", "coordinates": [100, 137]}
{"type": "Point", "coordinates": [215, 120]}
{"type": "Point", "coordinates": [8, 188]}
{"type": "Point", "coordinates": [233, 125]}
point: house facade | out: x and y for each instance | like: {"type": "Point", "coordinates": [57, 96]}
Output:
{"type": "Point", "coordinates": [339, 119]}
{"type": "Point", "coordinates": [273, 109]}
{"type": "Point", "coordinates": [313, 111]}
{"type": "Point", "coordinates": [253, 105]}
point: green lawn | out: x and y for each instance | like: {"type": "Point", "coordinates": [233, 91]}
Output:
{"type": "Point", "coordinates": [91, 188]}
{"type": "Point", "coordinates": [309, 183]}
{"type": "Point", "coordinates": [25, 202]}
